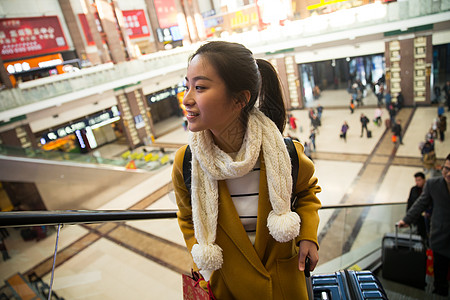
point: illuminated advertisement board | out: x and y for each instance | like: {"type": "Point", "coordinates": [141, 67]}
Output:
{"type": "Point", "coordinates": [136, 23]}
{"type": "Point", "coordinates": [21, 37]}
{"type": "Point", "coordinates": [167, 13]}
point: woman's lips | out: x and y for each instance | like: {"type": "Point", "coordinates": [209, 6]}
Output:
{"type": "Point", "coordinates": [191, 115]}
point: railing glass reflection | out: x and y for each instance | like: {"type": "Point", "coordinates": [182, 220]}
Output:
{"type": "Point", "coordinates": [148, 161]}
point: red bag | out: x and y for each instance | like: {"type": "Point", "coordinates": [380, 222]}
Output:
{"type": "Point", "coordinates": [430, 269]}
{"type": "Point", "coordinates": [394, 138]}
{"type": "Point", "coordinates": [192, 289]}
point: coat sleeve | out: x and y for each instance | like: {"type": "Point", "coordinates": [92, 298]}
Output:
{"type": "Point", "coordinates": [182, 195]}
{"type": "Point", "coordinates": [308, 204]}
{"type": "Point", "coordinates": [420, 205]}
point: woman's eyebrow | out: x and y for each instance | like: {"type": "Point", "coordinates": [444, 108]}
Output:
{"type": "Point", "coordinates": [200, 77]}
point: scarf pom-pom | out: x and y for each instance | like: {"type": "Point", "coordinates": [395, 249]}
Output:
{"type": "Point", "coordinates": [285, 227]}
{"type": "Point", "coordinates": [207, 257]}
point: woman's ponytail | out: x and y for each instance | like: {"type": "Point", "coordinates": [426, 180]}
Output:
{"type": "Point", "coordinates": [271, 96]}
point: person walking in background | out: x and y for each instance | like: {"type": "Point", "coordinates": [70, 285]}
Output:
{"type": "Point", "coordinates": [397, 130]}
{"type": "Point", "coordinates": [292, 122]}
{"type": "Point", "coordinates": [316, 124]}
{"type": "Point", "coordinates": [400, 101]}
{"type": "Point", "coordinates": [414, 193]}
{"type": "Point", "coordinates": [352, 106]}
{"type": "Point", "coordinates": [237, 226]}
{"type": "Point", "coordinates": [392, 113]}
{"type": "Point", "coordinates": [344, 130]}
{"type": "Point", "coordinates": [378, 113]}
{"type": "Point", "coordinates": [311, 115]}
{"type": "Point", "coordinates": [442, 127]}
{"type": "Point", "coordinates": [440, 110]}
{"type": "Point", "coordinates": [428, 157]}
{"type": "Point", "coordinates": [319, 112]}
{"type": "Point", "coordinates": [436, 193]}
{"type": "Point", "coordinates": [312, 138]}
{"type": "Point", "coordinates": [364, 121]}
{"type": "Point", "coordinates": [446, 90]}
{"type": "Point", "coordinates": [387, 98]}
{"type": "Point", "coordinates": [380, 94]}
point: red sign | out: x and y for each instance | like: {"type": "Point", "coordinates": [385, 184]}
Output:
{"type": "Point", "coordinates": [167, 13]}
{"type": "Point", "coordinates": [21, 37]}
{"type": "Point", "coordinates": [87, 31]}
{"type": "Point", "coordinates": [136, 23]}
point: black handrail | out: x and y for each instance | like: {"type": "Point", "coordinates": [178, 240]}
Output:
{"type": "Point", "coordinates": [55, 217]}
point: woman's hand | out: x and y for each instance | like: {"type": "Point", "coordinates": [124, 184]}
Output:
{"type": "Point", "coordinates": [307, 249]}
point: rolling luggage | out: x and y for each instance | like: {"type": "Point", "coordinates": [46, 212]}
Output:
{"type": "Point", "coordinates": [369, 134]}
{"type": "Point", "coordinates": [404, 258]}
{"type": "Point", "coordinates": [343, 285]}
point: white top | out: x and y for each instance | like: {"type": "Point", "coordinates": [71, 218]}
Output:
{"type": "Point", "coordinates": [244, 192]}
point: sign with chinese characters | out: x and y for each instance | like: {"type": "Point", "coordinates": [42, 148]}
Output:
{"type": "Point", "coordinates": [136, 23]}
{"type": "Point", "coordinates": [87, 31]}
{"type": "Point", "coordinates": [22, 37]}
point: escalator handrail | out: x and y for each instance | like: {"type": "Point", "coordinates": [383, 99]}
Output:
{"type": "Point", "coordinates": [72, 217]}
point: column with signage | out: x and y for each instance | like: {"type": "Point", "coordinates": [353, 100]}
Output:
{"type": "Point", "coordinates": [74, 29]}
{"type": "Point", "coordinates": [393, 68]}
{"type": "Point", "coordinates": [288, 73]}
{"type": "Point", "coordinates": [422, 68]}
{"type": "Point", "coordinates": [136, 118]}
{"type": "Point", "coordinates": [19, 136]}
{"type": "Point", "coordinates": [111, 29]}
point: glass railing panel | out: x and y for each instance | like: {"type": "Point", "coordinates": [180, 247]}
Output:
{"type": "Point", "coordinates": [100, 261]}
{"type": "Point", "coordinates": [28, 257]}
{"type": "Point", "coordinates": [349, 235]}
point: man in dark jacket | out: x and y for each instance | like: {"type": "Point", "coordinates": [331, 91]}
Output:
{"type": "Point", "coordinates": [436, 192]}
{"type": "Point", "coordinates": [414, 193]}
{"type": "Point", "coordinates": [364, 121]}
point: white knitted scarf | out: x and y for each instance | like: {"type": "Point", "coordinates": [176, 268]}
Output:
{"type": "Point", "coordinates": [210, 164]}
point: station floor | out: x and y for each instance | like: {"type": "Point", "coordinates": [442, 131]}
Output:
{"type": "Point", "coordinates": [145, 259]}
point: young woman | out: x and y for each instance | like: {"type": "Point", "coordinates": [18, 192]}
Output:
{"type": "Point", "coordinates": [236, 217]}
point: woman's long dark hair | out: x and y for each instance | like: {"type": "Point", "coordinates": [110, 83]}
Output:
{"type": "Point", "coordinates": [240, 71]}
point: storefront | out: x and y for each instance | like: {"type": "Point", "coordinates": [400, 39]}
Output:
{"type": "Point", "coordinates": [165, 104]}
{"type": "Point", "coordinates": [85, 134]}
{"type": "Point", "coordinates": [340, 73]}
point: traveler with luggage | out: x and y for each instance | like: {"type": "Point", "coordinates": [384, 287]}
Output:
{"type": "Point", "coordinates": [236, 217]}
{"type": "Point", "coordinates": [364, 121]}
{"type": "Point", "coordinates": [397, 131]}
{"type": "Point", "coordinates": [436, 192]}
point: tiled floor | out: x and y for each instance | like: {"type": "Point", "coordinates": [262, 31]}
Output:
{"type": "Point", "coordinates": [144, 259]}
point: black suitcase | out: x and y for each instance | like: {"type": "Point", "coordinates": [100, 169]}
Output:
{"type": "Point", "coordinates": [369, 134]}
{"type": "Point", "coordinates": [343, 285]}
{"type": "Point", "coordinates": [404, 259]}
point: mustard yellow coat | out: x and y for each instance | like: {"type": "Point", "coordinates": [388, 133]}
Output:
{"type": "Point", "coordinates": [268, 269]}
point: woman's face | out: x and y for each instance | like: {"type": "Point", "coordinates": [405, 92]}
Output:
{"type": "Point", "coordinates": [206, 99]}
